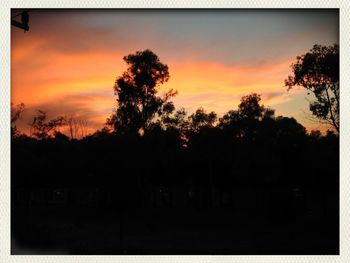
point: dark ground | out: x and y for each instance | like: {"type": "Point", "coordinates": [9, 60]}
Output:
{"type": "Point", "coordinates": [159, 231]}
{"type": "Point", "coordinates": [260, 195]}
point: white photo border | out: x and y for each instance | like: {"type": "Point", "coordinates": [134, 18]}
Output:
{"type": "Point", "coordinates": [5, 95]}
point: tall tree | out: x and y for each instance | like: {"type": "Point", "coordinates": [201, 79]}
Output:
{"type": "Point", "coordinates": [318, 72]}
{"type": "Point", "coordinates": [137, 88]}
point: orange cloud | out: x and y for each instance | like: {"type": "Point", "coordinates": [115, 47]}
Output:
{"type": "Point", "coordinates": [57, 82]}
{"type": "Point", "coordinates": [79, 80]}
{"type": "Point", "coordinates": [58, 74]}
{"type": "Point", "coordinates": [220, 87]}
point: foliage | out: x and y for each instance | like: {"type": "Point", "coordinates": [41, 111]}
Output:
{"type": "Point", "coordinates": [247, 120]}
{"type": "Point", "coordinates": [41, 128]}
{"type": "Point", "coordinates": [176, 121]}
{"type": "Point", "coordinates": [250, 107]}
{"type": "Point", "coordinates": [200, 119]}
{"type": "Point", "coordinates": [137, 88]}
{"type": "Point", "coordinates": [318, 72]}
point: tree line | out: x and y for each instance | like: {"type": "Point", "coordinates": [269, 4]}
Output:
{"type": "Point", "coordinates": [155, 168]}
{"type": "Point", "coordinates": [148, 143]}
{"type": "Point", "coordinates": [140, 109]}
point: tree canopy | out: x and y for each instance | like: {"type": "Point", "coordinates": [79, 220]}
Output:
{"type": "Point", "coordinates": [137, 89]}
{"type": "Point", "coordinates": [318, 72]}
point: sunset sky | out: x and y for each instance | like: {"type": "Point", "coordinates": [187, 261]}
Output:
{"type": "Point", "coordinates": [67, 63]}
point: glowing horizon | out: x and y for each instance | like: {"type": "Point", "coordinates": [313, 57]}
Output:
{"type": "Point", "coordinates": [67, 63]}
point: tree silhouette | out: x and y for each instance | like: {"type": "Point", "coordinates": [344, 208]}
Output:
{"type": "Point", "coordinates": [252, 167]}
{"type": "Point", "coordinates": [246, 121]}
{"type": "Point", "coordinates": [185, 172]}
{"type": "Point", "coordinates": [16, 112]}
{"type": "Point", "coordinates": [289, 128]}
{"type": "Point", "coordinates": [137, 88]}
{"type": "Point", "coordinates": [176, 121]}
{"type": "Point", "coordinates": [200, 119]}
{"type": "Point", "coordinates": [249, 108]}
{"type": "Point", "coordinates": [318, 72]}
{"type": "Point", "coordinates": [77, 127]}
{"type": "Point", "coordinates": [41, 128]}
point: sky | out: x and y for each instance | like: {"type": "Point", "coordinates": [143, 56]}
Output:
{"type": "Point", "coordinates": [68, 61]}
